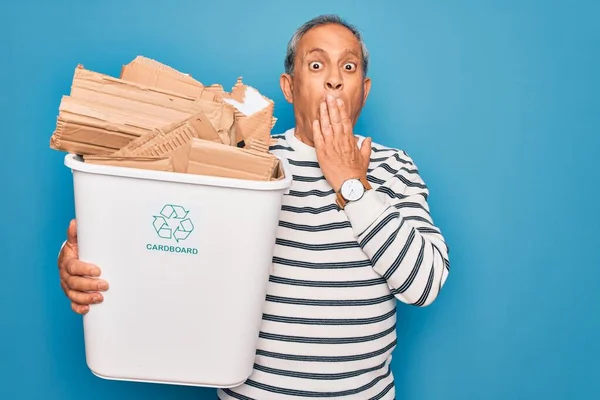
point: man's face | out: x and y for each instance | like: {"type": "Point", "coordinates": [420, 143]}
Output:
{"type": "Point", "coordinates": [328, 61]}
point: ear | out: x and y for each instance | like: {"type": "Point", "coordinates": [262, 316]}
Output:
{"type": "Point", "coordinates": [366, 89]}
{"type": "Point", "coordinates": [286, 82]}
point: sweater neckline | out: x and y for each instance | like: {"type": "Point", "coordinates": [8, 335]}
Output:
{"type": "Point", "coordinates": [307, 152]}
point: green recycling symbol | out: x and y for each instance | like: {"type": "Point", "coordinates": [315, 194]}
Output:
{"type": "Point", "coordinates": [173, 223]}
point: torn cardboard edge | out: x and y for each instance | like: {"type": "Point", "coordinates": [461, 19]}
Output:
{"type": "Point", "coordinates": [87, 139]}
{"type": "Point", "coordinates": [98, 87]}
{"type": "Point", "coordinates": [250, 99]}
{"type": "Point", "coordinates": [254, 126]}
{"type": "Point", "coordinates": [197, 126]}
{"type": "Point", "coordinates": [253, 112]}
{"type": "Point", "coordinates": [255, 144]}
{"type": "Point", "coordinates": [152, 73]}
{"type": "Point", "coordinates": [149, 72]}
{"type": "Point", "coordinates": [163, 68]}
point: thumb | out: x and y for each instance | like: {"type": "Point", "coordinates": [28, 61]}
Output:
{"type": "Point", "coordinates": [365, 150]}
{"type": "Point", "coordinates": [72, 233]}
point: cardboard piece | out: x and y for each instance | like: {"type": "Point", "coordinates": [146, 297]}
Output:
{"type": "Point", "coordinates": [96, 86]}
{"type": "Point", "coordinates": [221, 116]}
{"type": "Point", "coordinates": [88, 128]}
{"type": "Point", "coordinates": [152, 163]}
{"type": "Point", "coordinates": [197, 126]}
{"type": "Point", "coordinates": [208, 158]}
{"type": "Point", "coordinates": [165, 102]}
{"type": "Point", "coordinates": [149, 72]}
{"type": "Point", "coordinates": [204, 157]}
{"type": "Point", "coordinates": [253, 111]}
{"type": "Point", "coordinates": [114, 113]}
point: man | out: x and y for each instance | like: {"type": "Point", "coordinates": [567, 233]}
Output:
{"type": "Point", "coordinates": [355, 235]}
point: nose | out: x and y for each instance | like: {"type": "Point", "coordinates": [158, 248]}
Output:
{"type": "Point", "coordinates": [334, 82]}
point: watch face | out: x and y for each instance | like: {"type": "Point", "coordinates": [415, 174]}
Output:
{"type": "Point", "coordinates": [352, 190]}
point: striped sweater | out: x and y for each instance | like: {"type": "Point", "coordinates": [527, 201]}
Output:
{"type": "Point", "coordinates": [328, 327]}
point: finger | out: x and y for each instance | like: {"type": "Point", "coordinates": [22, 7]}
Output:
{"type": "Point", "coordinates": [80, 309]}
{"type": "Point", "coordinates": [345, 119]}
{"type": "Point", "coordinates": [72, 233]}
{"type": "Point", "coordinates": [335, 117]}
{"type": "Point", "coordinates": [63, 285]}
{"type": "Point", "coordinates": [84, 298]}
{"type": "Point", "coordinates": [86, 284]}
{"type": "Point", "coordinates": [326, 128]}
{"type": "Point", "coordinates": [74, 266]}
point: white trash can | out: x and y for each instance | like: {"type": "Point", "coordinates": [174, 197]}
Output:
{"type": "Point", "coordinates": [187, 259]}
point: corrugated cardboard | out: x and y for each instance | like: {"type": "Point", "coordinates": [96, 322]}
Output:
{"type": "Point", "coordinates": [132, 96]}
{"type": "Point", "coordinates": [96, 86]}
{"type": "Point", "coordinates": [91, 127]}
{"type": "Point", "coordinates": [209, 158]}
{"type": "Point", "coordinates": [164, 68]}
{"type": "Point", "coordinates": [85, 139]}
{"type": "Point", "coordinates": [257, 145]}
{"type": "Point", "coordinates": [148, 72]}
{"type": "Point", "coordinates": [115, 113]}
{"type": "Point", "coordinates": [221, 116]}
{"type": "Point", "coordinates": [81, 129]}
{"type": "Point", "coordinates": [152, 163]}
{"type": "Point", "coordinates": [180, 133]}
{"type": "Point", "coordinates": [253, 111]}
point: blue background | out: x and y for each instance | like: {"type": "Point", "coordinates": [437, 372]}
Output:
{"type": "Point", "coordinates": [497, 102]}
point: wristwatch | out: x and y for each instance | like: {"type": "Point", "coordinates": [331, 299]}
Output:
{"type": "Point", "coordinates": [352, 190]}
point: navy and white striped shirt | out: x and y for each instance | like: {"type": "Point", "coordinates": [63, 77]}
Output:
{"type": "Point", "coordinates": [328, 327]}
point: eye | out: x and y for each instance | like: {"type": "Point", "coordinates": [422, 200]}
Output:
{"type": "Point", "coordinates": [315, 65]}
{"type": "Point", "coordinates": [350, 67]}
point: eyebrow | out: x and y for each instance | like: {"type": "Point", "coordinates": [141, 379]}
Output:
{"type": "Point", "coordinates": [320, 50]}
{"type": "Point", "coordinates": [315, 50]}
{"type": "Point", "coordinates": [349, 51]}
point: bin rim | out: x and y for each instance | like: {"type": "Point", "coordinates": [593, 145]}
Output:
{"type": "Point", "coordinates": [75, 163]}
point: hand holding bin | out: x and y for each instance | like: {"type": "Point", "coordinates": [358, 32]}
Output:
{"type": "Point", "coordinates": [177, 200]}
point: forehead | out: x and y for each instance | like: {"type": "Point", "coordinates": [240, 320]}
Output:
{"type": "Point", "coordinates": [333, 39]}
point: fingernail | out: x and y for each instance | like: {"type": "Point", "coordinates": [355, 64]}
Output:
{"type": "Point", "coordinates": [102, 286]}
{"type": "Point", "coordinates": [95, 272]}
{"type": "Point", "coordinates": [339, 102]}
{"type": "Point", "coordinates": [330, 98]}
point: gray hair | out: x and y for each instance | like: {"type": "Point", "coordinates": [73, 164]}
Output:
{"type": "Point", "coordinates": [313, 23]}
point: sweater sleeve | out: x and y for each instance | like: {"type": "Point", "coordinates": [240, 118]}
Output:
{"type": "Point", "coordinates": [393, 226]}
